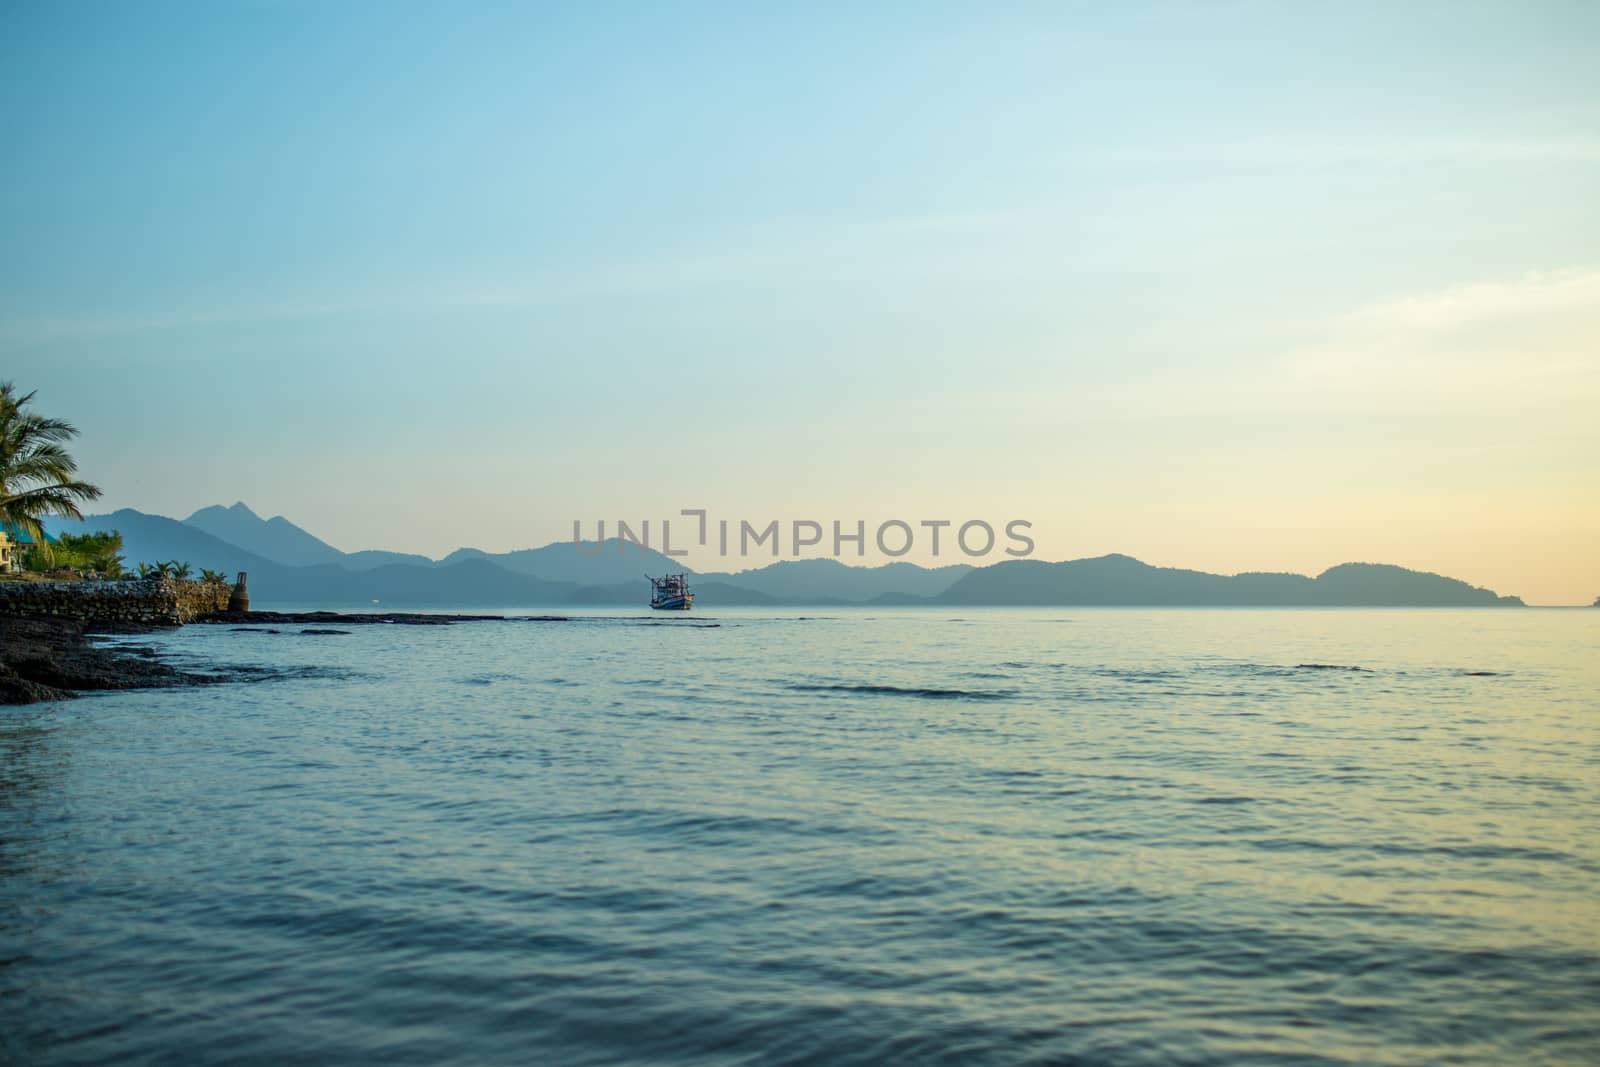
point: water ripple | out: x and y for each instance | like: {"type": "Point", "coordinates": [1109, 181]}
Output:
{"type": "Point", "coordinates": [1205, 838]}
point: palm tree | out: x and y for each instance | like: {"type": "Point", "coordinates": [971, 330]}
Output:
{"type": "Point", "coordinates": [36, 473]}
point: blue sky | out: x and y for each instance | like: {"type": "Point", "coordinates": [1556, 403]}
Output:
{"type": "Point", "coordinates": [1230, 286]}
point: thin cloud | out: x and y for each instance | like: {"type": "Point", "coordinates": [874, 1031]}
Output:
{"type": "Point", "coordinates": [1325, 151]}
{"type": "Point", "coordinates": [1573, 290]}
{"type": "Point", "coordinates": [1525, 345]}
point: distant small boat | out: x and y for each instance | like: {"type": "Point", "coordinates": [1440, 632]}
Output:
{"type": "Point", "coordinates": [670, 592]}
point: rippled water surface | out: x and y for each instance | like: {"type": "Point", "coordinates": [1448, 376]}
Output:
{"type": "Point", "coordinates": [1046, 836]}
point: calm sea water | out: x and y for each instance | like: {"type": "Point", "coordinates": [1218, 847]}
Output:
{"type": "Point", "coordinates": [741, 837]}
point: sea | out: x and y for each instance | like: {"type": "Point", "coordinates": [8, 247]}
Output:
{"type": "Point", "coordinates": [824, 836]}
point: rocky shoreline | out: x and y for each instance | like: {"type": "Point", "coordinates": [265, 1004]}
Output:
{"type": "Point", "coordinates": [55, 659]}
{"type": "Point", "coordinates": [397, 618]}
{"type": "Point", "coordinates": [49, 658]}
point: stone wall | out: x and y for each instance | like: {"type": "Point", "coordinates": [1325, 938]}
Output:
{"type": "Point", "coordinates": [159, 602]}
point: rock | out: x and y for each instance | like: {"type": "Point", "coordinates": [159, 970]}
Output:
{"type": "Point", "coordinates": [340, 617]}
{"type": "Point", "coordinates": [42, 659]}
{"type": "Point", "coordinates": [15, 689]}
{"type": "Point", "coordinates": [327, 633]}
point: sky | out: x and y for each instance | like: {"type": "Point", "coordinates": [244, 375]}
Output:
{"type": "Point", "coordinates": [1228, 286]}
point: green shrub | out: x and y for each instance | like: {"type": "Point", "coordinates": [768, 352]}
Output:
{"type": "Point", "coordinates": [99, 551]}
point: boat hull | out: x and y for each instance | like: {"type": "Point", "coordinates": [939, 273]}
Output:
{"type": "Point", "coordinates": [674, 603]}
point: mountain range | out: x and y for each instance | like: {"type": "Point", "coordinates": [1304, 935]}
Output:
{"type": "Point", "coordinates": [287, 564]}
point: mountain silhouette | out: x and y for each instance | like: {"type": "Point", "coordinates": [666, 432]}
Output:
{"type": "Point", "coordinates": [597, 563]}
{"type": "Point", "coordinates": [1118, 580]}
{"type": "Point", "coordinates": [276, 538]}
{"type": "Point", "coordinates": [824, 581]}
{"type": "Point", "coordinates": [149, 538]}
{"type": "Point", "coordinates": [612, 573]}
{"type": "Point", "coordinates": [281, 541]}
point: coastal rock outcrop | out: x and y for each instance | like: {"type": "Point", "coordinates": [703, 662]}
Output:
{"type": "Point", "coordinates": [48, 658]}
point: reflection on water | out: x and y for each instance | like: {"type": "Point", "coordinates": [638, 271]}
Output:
{"type": "Point", "coordinates": [873, 836]}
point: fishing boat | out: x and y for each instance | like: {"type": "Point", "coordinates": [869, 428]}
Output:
{"type": "Point", "coordinates": [670, 592]}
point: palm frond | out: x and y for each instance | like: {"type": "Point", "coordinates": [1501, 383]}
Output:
{"type": "Point", "coordinates": [37, 474]}
{"type": "Point", "coordinates": [61, 498]}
